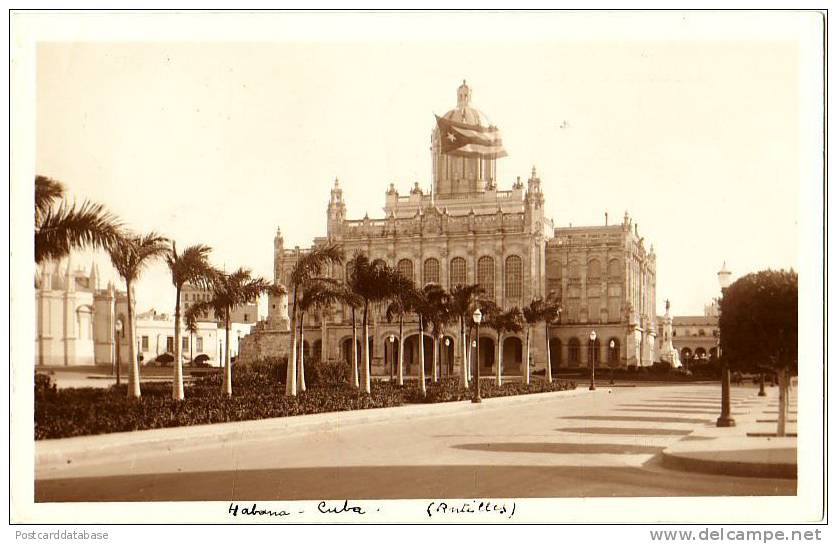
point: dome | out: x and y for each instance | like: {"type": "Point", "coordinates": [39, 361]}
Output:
{"type": "Point", "coordinates": [464, 113]}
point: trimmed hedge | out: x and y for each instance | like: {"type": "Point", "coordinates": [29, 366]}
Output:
{"type": "Point", "coordinates": [257, 394]}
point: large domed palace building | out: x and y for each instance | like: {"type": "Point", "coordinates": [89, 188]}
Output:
{"type": "Point", "coordinates": [468, 230]}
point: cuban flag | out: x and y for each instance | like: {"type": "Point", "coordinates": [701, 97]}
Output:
{"type": "Point", "coordinates": [462, 140]}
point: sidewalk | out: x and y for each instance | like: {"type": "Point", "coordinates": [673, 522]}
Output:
{"type": "Point", "coordinates": [750, 448]}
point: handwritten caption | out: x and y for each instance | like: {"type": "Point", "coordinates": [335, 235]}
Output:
{"type": "Point", "coordinates": [323, 507]}
{"type": "Point", "coordinates": [474, 506]}
{"type": "Point", "coordinates": [438, 509]}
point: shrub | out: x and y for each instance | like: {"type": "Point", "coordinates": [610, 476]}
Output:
{"type": "Point", "coordinates": [257, 394]}
{"type": "Point", "coordinates": [329, 374]}
{"type": "Point", "coordinates": [44, 388]}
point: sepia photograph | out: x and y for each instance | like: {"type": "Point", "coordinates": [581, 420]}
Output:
{"type": "Point", "coordinates": [436, 267]}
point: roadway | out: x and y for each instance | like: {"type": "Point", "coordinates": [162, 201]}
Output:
{"type": "Point", "coordinates": [603, 444]}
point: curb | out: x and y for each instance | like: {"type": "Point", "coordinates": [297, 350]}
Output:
{"type": "Point", "coordinates": [686, 462]}
{"type": "Point", "coordinates": [56, 454]}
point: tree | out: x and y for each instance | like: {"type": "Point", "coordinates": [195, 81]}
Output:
{"type": "Point", "coordinates": [759, 325]}
{"type": "Point", "coordinates": [129, 256]}
{"type": "Point", "coordinates": [505, 322]}
{"type": "Point", "coordinates": [62, 229]}
{"type": "Point", "coordinates": [308, 266]}
{"type": "Point", "coordinates": [192, 266]}
{"type": "Point", "coordinates": [368, 280]}
{"type": "Point", "coordinates": [531, 316]}
{"type": "Point", "coordinates": [462, 300]}
{"type": "Point", "coordinates": [353, 301]}
{"type": "Point", "coordinates": [550, 309]}
{"type": "Point", "coordinates": [318, 294]}
{"type": "Point", "coordinates": [192, 328]}
{"type": "Point", "coordinates": [439, 316]}
{"type": "Point", "coordinates": [422, 306]}
{"type": "Point", "coordinates": [229, 291]}
{"type": "Point", "coordinates": [399, 289]}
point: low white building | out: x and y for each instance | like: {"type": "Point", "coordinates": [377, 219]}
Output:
{"type": "Point", "coordinates": [77, 321]}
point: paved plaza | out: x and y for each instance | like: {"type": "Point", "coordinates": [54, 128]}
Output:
{"type": "Point", "coordinates": [598, 444]}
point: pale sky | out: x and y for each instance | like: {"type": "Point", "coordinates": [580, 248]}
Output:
{"type": "Point", "coordinates": [220, 143]}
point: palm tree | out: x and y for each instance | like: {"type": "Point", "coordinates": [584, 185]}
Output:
{"type": "Point", "coordinates": [462, 298]}
{"type": "Point", "coordinates": [423, 308]}
{"type": "Point", "coordinates": [531, 316]}
{"type": "Point", "coordinates": [308, 266]}
{"type": "Point", "coordinates": [549, 312]}
{"type": "Point", "coordinates": [62, 229]}
{"type": "Point", "coordinates": [400, 289]}
{"type": "Point", "coordinates": [191, 266]}
{"type": "Point", "coordinates": [505, 322]}
{"type": "Point", "coordinates": [351, 299]}
{"type": "Point", "coordinates": [439, 316]}
{"type": "Point", "coordinates": [318, 294]}
{"type": "Point", "coordinates": [230, 291]}
{"type": "Point", "coordinates": [191, 326]}
{"type": "Point", "coordinates": [129, 256]}
{"type": "Point", "coordinates": [369, 282]}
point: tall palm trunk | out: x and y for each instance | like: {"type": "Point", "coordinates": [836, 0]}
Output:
{"type": "Point", "coordinates": [783, 402]}
{"type": "Point", "coordinates": [290, 379]}
{"type": "Point", "coordinates": [301, 370]}
{"type": "Point", "coordinates": [355, 379]}
{"type": "Point", "coordinates": [526, 355]}
{"type": "Point", "coordinates": [464, 380]}
{"type": "Point", "coordinates": [548, 355]}
{"type": "Point", "coordinates": [227, 387]}
{"type": "Point", "coordinates": [367, 366]}
{"type": "Point", "coordinates": [422, 385]}
{"type": "Point", "coordinates": [435, 377]}
{"type": "Point", "coordinates": [499, 372]}
{"type": "Point", "coordinates": [401, 348]}
{"type": "Point", "coordinates": [133, 376]}
{"type": "Point", "coordinates": [177, 384]}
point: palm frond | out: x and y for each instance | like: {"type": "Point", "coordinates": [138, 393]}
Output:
{"type": "Point", "coordinates": [60, 230]}
{"type": "Point", "coordinates": [47, 191]}
{"type": "Point", "coordinates": [313, 262]}
{"type": "Point", "coordinates": [132, 253]}
{"type": "Point", "coordinates": [192, 266]}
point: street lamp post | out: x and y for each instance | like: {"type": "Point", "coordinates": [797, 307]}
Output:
{"type": "Point", "coordinates": [477, 320]}
{"type": "Point", "coordinates": [592, 361]}
{"type": "Point", "coordinates": [725, 419]}
{"type": "Point", "coordinates": [118, 327]}
{"type": "Point", "coordinates": [391, 357]}
{"type": "Point", "coordinates": [613, 357]}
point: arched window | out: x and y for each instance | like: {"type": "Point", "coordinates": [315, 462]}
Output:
{"type": "Point", "coordinates": [405, 268]}
{"type": "Point", "coordinates": [613, 351]}
{"type": "Point", "coordinates": [485, 275]}
{"type": "Point", "coordinates": [431, 271]}
{"type": "Point", "coordinates": [84, 322]}
{"type": "Point", "coordinates": [458, 271]}
{"type": "Point", "coordinates": [614, 270]}
{"type": "Point", "coordinates": [573, 352]}
{"type": "Point", "coordinates": [514, 277]}
{"type": "Point", "coordinates": [594, 268]}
